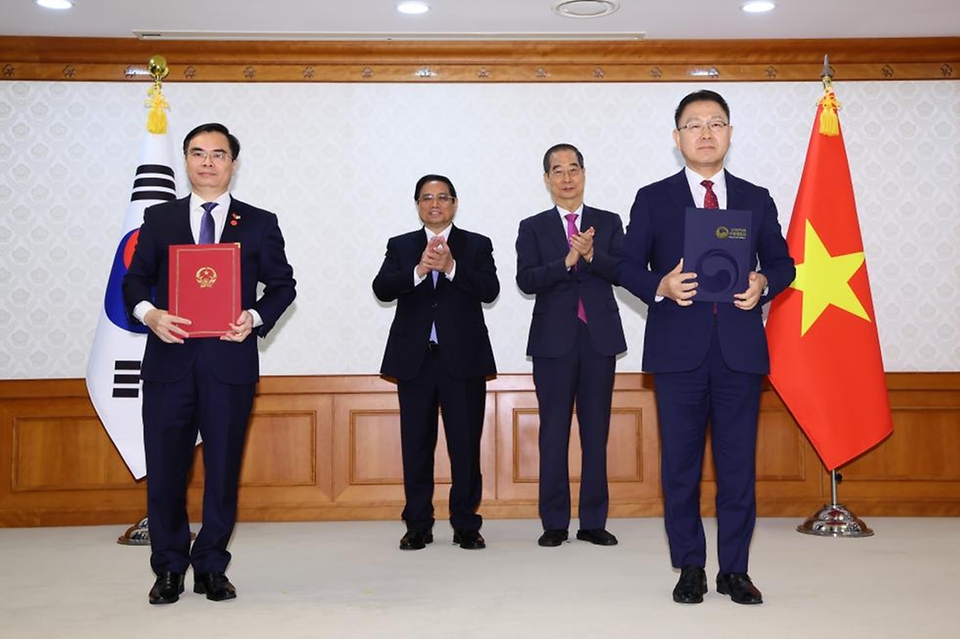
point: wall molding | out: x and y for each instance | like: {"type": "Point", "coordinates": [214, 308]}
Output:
{"type": "Point", "coordinates": [122, 59]}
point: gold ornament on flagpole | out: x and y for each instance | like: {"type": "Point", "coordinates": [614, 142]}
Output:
{"type": "Point", "coordinates": [829, 121]}
{"type": "Point", "coordinates": [157, 119]}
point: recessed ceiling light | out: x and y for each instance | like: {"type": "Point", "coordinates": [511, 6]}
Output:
{"type": "Point", "coordinates": [413, 8]}
{"type": "Point", "coordinates": [55, 4]}
{"type": "Point", "coordinates": [758, 6]}
{"type": "Point", "coordinates": [586, 8]}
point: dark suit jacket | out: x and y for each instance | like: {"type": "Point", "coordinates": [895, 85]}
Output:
{"type": "Point", "coordinates": [677, 337]}
{"type": "Point", "coordinates": [455, 306]}
{"type": "Point", "coordinates": [541, 248]}
{"type": "Point", "coordinates": [262, 259]}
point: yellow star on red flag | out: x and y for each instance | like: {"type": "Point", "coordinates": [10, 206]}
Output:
{"type": "Point", "coordinates": [825, 280]}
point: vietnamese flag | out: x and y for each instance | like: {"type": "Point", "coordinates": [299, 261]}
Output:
{"type": "Point", "coordinates": [825, 360]}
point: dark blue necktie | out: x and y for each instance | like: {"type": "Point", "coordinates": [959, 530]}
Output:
{"type": "Point", "coordinates": [206, 223]}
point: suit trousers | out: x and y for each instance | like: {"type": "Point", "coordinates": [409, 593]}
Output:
{"type": "Point", "coordinates": [729, 400]}
{"type": "Point", "coordinates": [462, 402]}
{"type": "Point", "coordinates": [173, 414]}
{"type": "Point", "coordinates": [584, 376]}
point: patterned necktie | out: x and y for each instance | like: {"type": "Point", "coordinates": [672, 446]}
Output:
{"type": "Point", "coordinates": [571, 231]}
{"type": "Point", "coordinates": [206, 223]}
{"type": "Point", "coordinates": [710, 201]}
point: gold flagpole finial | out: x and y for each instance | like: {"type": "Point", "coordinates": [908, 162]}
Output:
{"type": "Point", "coordinates": [829, 121]}
{"type": "Point", "coordinates": [157, 119]}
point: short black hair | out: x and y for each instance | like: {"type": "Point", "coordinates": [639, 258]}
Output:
{"type": "Point", "coordinates": [213, 127]}
{"type": "Point", "coordinates": [432, 177]}
{"type": "Point", "coordinates": [703, 95]}
{"type": "Point", "coordinates": [563, 146]}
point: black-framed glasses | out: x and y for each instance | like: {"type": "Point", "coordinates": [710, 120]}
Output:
{"type": "Point", "coordinates": [696, 126]}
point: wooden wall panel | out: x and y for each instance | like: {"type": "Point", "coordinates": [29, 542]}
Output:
{"type": "Point", "coordinates": [328, 448]}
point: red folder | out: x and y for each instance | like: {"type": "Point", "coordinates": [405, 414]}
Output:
{"type": "Point", "coordinates": [205, 286]}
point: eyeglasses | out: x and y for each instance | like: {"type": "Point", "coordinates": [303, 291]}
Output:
{"type": "Point", "coordinates": [443, 198]}
{"type": "Point", "coordinates": [217, 155]}
{"type": "Point", "coordinates": [696, 126]}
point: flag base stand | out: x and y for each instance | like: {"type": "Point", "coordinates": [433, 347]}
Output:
{"type": "Point", "coordinates": [136, 535]}
{"type": "Point", "coordinates": [139, 535]}
{"type": "Point", "coordinates": [834, 520]}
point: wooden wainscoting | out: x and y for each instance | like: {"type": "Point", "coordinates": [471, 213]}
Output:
{"type": "Point", "coordinates": [329, 448]}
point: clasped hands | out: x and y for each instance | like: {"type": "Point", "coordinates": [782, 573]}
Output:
{"type": "Point", "coordinates": [681, 287]}
{"type": "Point", "coordinates": [169, 327]}
{"type": "Point", "coordinates": [436, 257]}
{"type": "Point", "coordinates": [581, 245]}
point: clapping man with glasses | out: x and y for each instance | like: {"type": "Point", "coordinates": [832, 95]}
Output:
{"type": "Point", "coordinates": [203, 384]}
{"type": "Point", "coordinates": [439, 353]}
{"type": "Point", "coordinates": [708, 359]}
{"type": "Point", "coordinates": [567, 257]}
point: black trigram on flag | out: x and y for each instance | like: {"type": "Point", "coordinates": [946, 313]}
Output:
{"type": "Point", "coordinates": [126, 379]}
{"type": "Point", "coordinates": [154, 182]}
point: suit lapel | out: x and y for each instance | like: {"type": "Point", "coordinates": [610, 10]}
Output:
{"type": "Point", "coordinates": [233, 224]}
{"type": "Point", "coordinates": [181, 223]}
{"type": "Point", "coordinates": [556, 230]}
{"type": "Point", "coordinates": [735, 198]}
{"type": "Point", "coordinates": [680, 191]}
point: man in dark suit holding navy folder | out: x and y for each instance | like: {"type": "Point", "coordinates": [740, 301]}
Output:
{"type": "Point", "coordinates": [567, 257]}
{"type": "Point", "coordinates": [203, 385]}
{"type": "Point", "coordinates": [708, 359]}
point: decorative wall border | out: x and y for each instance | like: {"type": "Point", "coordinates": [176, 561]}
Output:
{"type": "Point", "coordinates": [118, 60]}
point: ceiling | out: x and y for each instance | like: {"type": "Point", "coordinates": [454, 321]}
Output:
{"type": "Point", "coordinates": [483, 19]}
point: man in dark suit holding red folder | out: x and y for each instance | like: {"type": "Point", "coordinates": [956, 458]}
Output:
{"type": "Point", "coordinates": [203, 385]}
{"type": "Point", "coordinates": [708, 360]}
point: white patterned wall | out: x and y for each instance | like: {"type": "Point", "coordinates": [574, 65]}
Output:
{"type": "Point", "coordinates": [338, 162]}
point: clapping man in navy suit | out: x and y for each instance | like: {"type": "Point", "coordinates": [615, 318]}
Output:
{"type": "Point", "coordinates": [708, 360]}
{"type": "Point", "coordinates": [439, 353]}
{"type": "Point", "coordinates": [206, 384]}
{"type": "Point", "coordinates": [567, 257]}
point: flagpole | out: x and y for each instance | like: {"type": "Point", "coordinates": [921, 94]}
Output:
{"type": "Point", "coordinates": [139, 534]}
{"type": "Point", "coordinates": [833, 519]}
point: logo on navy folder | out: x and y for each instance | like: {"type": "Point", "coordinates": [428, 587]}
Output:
{"type": "Point", "coordinates": [717, 271]}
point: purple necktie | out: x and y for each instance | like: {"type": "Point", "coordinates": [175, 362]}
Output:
{"type": "Point", "coordinates": [433, 326]}
{"type": "Point", "coordinates": [206, 223]}
{"type": "Point", "coordinates": [710, 201]}
{"type": "Point", "coordinates": [571, 231]}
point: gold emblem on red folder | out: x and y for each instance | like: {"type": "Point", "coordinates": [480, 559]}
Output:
{"type": "Point", "coordinates": [206, 277]}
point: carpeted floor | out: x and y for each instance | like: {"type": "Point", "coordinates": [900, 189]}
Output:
{"type": "Point", "coordinates": [348, 579]}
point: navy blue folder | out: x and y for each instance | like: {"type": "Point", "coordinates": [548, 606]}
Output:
{"type": "Point", "coordinates": [717, 248]}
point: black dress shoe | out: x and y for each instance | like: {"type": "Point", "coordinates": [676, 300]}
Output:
{"type": "Point", "coordinates": [551, 538]}
{"type": "Point", "coordinates": [469, 539]}
{"type": "Point", "coordinates": [598, 536]}
{"type": "Point", "coordinates": [692, 585]}
{"type": "Point", "coordinates": [167, 588]}
{"type": "Point", "coordinates": [214, 585]}
{"type": "Point", "coordinates": [739, 587]}
{"type": "Point", "coordinates": [416, 540]}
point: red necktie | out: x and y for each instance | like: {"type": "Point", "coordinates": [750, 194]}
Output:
{"type": "Point", "coordinates": [571, 231]}
{"type": "Point", "coordinates": [710, 201]}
